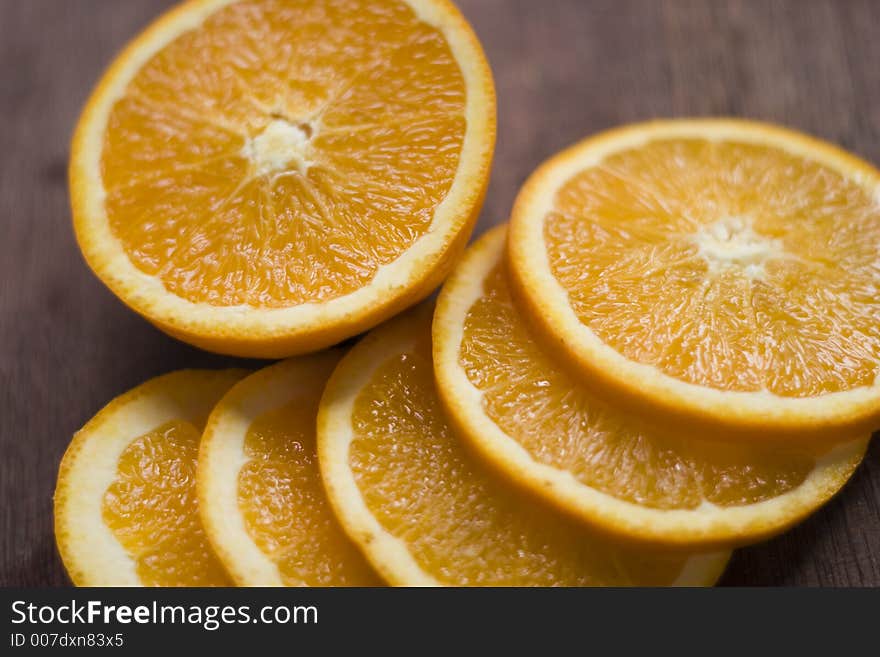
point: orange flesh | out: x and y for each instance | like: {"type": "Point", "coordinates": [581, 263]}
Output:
{"type": "Point", "coordinates": [561, 425]}
{"type": "Point", "coordinates": [285, 508]}
{"type": "Point", "coordinates": [461, 525]}
{"type": "Point", "coordinates": [152, 509]}
{"type": "Point", "coordinates": [728, 265]}
{"type": "Point", "coordinates": [282, 152]}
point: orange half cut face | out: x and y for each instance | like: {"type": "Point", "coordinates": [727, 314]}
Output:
{"type": "Point", "coordinates": [267, 176]}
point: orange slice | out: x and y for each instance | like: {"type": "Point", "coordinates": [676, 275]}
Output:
{"type": "Point", "coordinates": [549, 433]}
{"type": "Point", "coordinates": [260, 492]}
{"type": "Point", "coordinates": [126, 512]}
{"type": "Point", "coordinates": [268, 177]}
{"type": "Point", "coordinates": [426, 513]}
{"type": "Point", "coordinates": [714, 272]}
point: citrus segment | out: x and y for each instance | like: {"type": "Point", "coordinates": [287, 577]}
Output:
{"type": "Point", "coordinates": [261, 496]}
{"type": "Point", "coordinates": [268, 176]}
{"type": "Point", "coordinates": [425, 513]}
{"type": "Point", "coordinates": [550, 433]}
{"type": "Point", "coordinates": [721, 271]}
{"type": "Point", "coordinates": [126, 512]}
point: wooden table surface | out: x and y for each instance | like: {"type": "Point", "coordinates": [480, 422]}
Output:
{"type": "Point", "coordinates": [564, 69]}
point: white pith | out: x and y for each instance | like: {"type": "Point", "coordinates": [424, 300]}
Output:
{"type": "Point", "coordinates": [281, 146]}
{"type": "Point", "coordinates": [732, 243]}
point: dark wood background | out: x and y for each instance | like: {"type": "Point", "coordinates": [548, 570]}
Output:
{"type": "Point", "coordinates": [564, 69]}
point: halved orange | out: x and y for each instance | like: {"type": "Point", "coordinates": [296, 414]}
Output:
{"type": "Point", "coordinates": [426, 513]}
{"type": "Point", "coordinates": [126, 512]}
{"type": "Point", "coordinates": [548, 432]}
{"type": "Point", "coordinates": [260, 493]}
{"type": "Point", "coordinates": [268, 177]}
{"type": "Point", "coordinates": [718, 272]}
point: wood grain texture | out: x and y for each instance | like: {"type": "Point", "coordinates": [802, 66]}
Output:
{"type": "Point", "coordinates": [564, 69]}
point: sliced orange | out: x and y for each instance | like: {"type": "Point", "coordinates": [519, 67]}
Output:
{"type": "Point", "coordinates": [268, 177]}
{"type": "Point", "coordinates": [426, 513]}
{"type": "Point", "coordinates": [549, 433]}
{"type": "Point", "coordinates": [260, 492]}
{"type": "Point", "coordinates": [126, 512]}
{"type": "Point", "coordinates": [717, 272]}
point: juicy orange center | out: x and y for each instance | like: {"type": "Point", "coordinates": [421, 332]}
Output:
{"type": "Point", "coordinates": [284, 505]}
{"type": "Point", "coordinates": [459, 523]}
{"type": "Point", "coordinates": [152, 509]}
{"type": "Point", "coordinates": [283, 151]}
{"type": "Point", "coordinates": [561, 425]}
{"type": "Point", "coordinates": [730, 265]}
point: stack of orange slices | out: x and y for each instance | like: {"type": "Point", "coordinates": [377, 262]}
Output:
{"type": "Point", "coordinates": [673, 349]}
